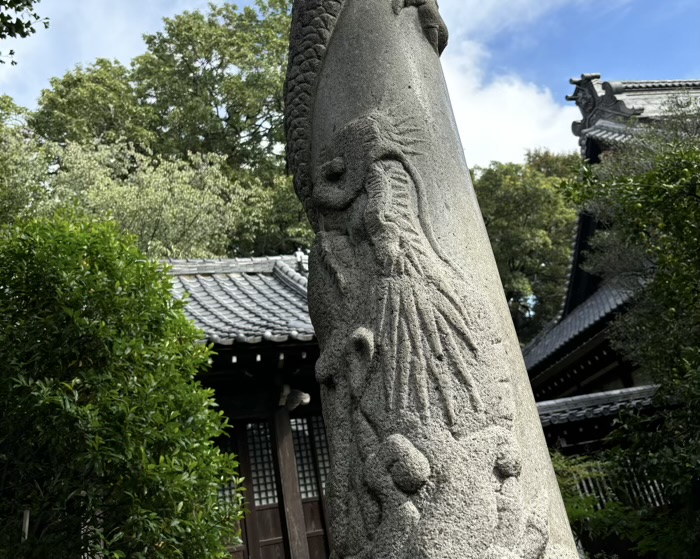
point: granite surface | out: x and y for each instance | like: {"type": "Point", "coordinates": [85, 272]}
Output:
{"type": "Point", "coordinates": [436, 447]}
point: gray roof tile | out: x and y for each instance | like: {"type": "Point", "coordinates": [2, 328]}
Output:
{"type": "Point", "coordinates": [245, 300]}
{"type": "Point", "coordinates": [588, 406]}
{"type": "Point", "coordinates": [658, 84]}
{"type": "Point", "coordinates": [597, 308]}
{"type": "Point", "coordinates": [608, 132]}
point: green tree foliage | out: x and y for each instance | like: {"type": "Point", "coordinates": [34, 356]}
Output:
{"type": "Point", "coordinates": [196, 208]}
{"type": "Point", "coordinates": [215, 81]}
{"type": "Point", "coordinates": [106, 437]}
{"type": "Point", "coordinates": [208, 89]}
{"type": "Point", "coordinates": [208, 83]}
{"type": "Point", "coordinates": [530, 226]}
{"type": "Point", "coordinates": [21, 165]}
{"type": "Point", "coordinates": [647, 193]}
{"type": "Point", "coordinates": [553, 165]}
{"type": "Point", "coordinates": [571, 470]}
{"type": "Point", "coordinates": [176, 209]}
{"type": "Point", "coordinates": [271, 219]}
{"type": "Point", "coordinates": [602, 523]}
{"type": "Point", "coordinates": [96, 103]}
{"type": "Point", "coordinates": [17, 20]}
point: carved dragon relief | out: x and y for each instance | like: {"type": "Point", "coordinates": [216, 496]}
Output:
{"type": "Point", "coordinates": [418, 430]}
{"type": "Point", "coordinates": [402, 365]}
{"type": "Point", "coordinates": [313, 23]}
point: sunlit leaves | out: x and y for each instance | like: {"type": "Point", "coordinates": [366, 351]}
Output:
{"type": "Point", "coordinates": [207, 94]}
{"type": "Point", "coordinates": [530, 227]}
{"type": "Point", "coordinates": [174, 208]}
{"type": "Point", "coordinates": [95, 103]}
{"type": "Point", "coordinates": [18, 19]}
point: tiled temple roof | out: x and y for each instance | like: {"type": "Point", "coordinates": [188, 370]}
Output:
{"type": "Point", "coordinates": [607, 132]}
{"type": "Point", "coordinates": [252, 300]}
{"type": "Point", "coordinates": [257, 300]}
{"type": "Point", "coordinates": [245, 300]}
{"type": "Point", "coordinates": [576, 326]}
{"type": "Point", "coordinates": [588, 406]}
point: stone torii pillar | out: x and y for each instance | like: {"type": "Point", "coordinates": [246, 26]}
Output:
{"type": "Point", "coordinates": [436, 447]}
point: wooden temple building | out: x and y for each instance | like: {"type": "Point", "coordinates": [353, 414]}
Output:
{"type": "Point", "coordinates": [571, 361]}
{"type": "Point", "coordinates": [254, 311]}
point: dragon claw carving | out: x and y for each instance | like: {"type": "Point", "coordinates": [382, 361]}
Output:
{"type": "Point", "coordinates": [433, 26]}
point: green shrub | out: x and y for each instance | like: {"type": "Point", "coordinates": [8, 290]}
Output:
{"type": "Point", "coordinates": [106, 438]}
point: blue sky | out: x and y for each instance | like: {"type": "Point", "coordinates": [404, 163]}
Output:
{"type": "Point", "coordinates": [507, 65]}
{"type": "Point", "coordinates": [640, 39]}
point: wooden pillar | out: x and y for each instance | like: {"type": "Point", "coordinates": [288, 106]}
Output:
{"type": "Point", "coordinates": [290, 498]}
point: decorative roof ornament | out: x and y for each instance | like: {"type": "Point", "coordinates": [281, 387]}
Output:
{"type": "Point", "coordinates": [611, 110]}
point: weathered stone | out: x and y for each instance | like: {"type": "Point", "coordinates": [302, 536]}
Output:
{"type": "Point", "coordinates": [436, 447]}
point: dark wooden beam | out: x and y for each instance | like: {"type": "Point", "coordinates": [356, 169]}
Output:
{"type": "Point", "coordinates": [595, 379]}
{"type": "Point", "coordinates": [258, 396]}
{"type": "Point", "coordinates": [290, 498]}
{"type": "Point", "coordinates": [555, 371]}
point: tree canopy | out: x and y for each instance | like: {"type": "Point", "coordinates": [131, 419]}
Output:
{"type": "Point", "coordinates": [106, 436]}
{"type": "Point", "coordinates": [214, 83]}
{"type": "Point", "coordinates": [175, 208]}
{"type": "Point", "coordinates": [207, 83]}
{"type": "Point", "coordinates": [184, 147]}
{"type": "Point", "coordinates": [22, 168]}
{"type": "Point", "coordinates": [530, 226]}
{"type": "Point", "coordinates": [93, 103]}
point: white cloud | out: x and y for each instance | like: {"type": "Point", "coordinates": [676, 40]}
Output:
{"type": "Point", "coordinates": [485, 18]}
{"type": "Point", "coordinates": [500, 118]}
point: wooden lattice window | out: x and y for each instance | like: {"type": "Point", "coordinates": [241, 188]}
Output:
{"type": "Point", "coordinates": [308, 485]}
{"type": "Point", "coordinates": [323, 458]}
{"type": "Point", "coordinates": [262, 466]}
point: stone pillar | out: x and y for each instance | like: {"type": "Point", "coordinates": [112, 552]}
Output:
{"type": "Point", "coordinates": [436, 447]}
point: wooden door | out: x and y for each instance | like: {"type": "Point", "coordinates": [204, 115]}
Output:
{"type": "Point", "coordinates": [262, 531]}
{"type": "Point", "coordinates": [313, 464]}
{"type": "Point", "coordinates": [264, 520]}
